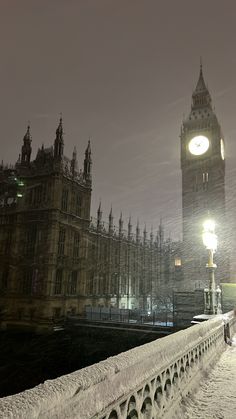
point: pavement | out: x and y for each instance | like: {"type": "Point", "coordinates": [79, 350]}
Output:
{"type": "Point", "coordinates": [216, 396]}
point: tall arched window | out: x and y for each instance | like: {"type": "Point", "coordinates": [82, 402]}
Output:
{"type": "Point", "coordinates": [58, 282]}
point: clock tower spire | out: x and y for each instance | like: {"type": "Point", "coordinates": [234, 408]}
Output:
{"type": "Point", "coordinates": [201, 96]}
{"type": "Point", "coordinates": [203, 184]}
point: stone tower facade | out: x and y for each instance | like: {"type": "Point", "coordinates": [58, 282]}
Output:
{"type": "Point", "coordinates": [203, 187]}
{"type": "Point", "coordinates": [44, 213]}
{"type": "Point", "coordinates": [57, 260]}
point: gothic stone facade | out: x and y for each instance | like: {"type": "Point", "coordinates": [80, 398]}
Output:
{"type": "Point", "coordinates": [55, 260]}
{"type": "Point", "coordinates": [203, 188]}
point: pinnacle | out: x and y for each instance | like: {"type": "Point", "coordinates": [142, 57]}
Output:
{"type": "Point", "coordinates": [201, 85]}
{"type": "Point", "coordinates": [59, 131]}
{"type": "Point", "coordinates": [111, 215]}
{"type": "Point", "coordinates": [201, 96]}
{"type": "Point", "coordinates": [27, 136]}
{"type": "Point", "coordinates": [88, 149]}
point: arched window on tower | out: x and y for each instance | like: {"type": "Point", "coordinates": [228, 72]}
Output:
{"type": "Point", "coordinates": [64, 199]}
{"type": "Point", "coordinates": [58, 282]}
{"type": "Point", "coordinates": [4, 280]}
{"type": "Point", "coordinates": [205, 179]}
{"type": "Point", "coordinates": [76, 245]}
{"type": "Point", "coordinates": [31, 236]}
{"type": "Point", "coordinates": [78, 205]}
{"type": "Point", "coordinates": [61, 242]}
{"type": "Point", "coordinates": [26, 282]}
{"type": "Point", "coordinates": [72, 283]}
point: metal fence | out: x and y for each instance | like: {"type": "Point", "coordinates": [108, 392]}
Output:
{"type": "Point", "coordinates": [161, 318]}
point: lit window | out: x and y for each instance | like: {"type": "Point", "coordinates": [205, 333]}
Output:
{"type": "Point", "coordinates": [177, 262]}
{"type": "Point", "coordinates": [205, 177]}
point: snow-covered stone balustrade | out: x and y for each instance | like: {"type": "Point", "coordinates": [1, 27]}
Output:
{"type": "Point", "coordinates": [146, 382]}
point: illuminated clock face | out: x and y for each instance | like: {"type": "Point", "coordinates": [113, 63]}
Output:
{"type": "Point", "coordinates": [198, 145]}
{"type": "Point", "coordinates": [222, 149]}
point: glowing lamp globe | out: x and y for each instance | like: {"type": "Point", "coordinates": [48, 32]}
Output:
{"type": "Point", "coordinates": [208, 236]}
{"type": "Point", "coordinates": [209, 225]}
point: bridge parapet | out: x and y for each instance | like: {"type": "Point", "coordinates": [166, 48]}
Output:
{"type": "Point", "coordinates": [145, 382]}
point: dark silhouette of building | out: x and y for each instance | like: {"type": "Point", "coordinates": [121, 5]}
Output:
{"type": "Point", "coordinates": [55, 260]}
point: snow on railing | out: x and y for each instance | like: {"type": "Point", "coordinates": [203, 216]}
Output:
{"type": "Point", "coordinates": [147, 381]}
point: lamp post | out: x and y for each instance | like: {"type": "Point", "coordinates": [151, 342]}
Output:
{"type": "Point", "coordinates": [212, 296]}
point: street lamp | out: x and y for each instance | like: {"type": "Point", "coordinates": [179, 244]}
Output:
{"type": "Point", "coordinates": [212, 296]}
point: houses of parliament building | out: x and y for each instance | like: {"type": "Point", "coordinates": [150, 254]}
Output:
{"type": "Point", "coordinates": [55, 259]}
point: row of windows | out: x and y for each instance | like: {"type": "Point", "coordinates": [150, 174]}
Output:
{"type": "Point", "coordinates": [121, 254]}
{"type": "Point", "coordinates": [71, 286]}
{"type": "Point", "coordinates": [39, 194]}
{"type": "Point", "coordinates": [199, 100]}
{"type": "Point", "coordinates": [30, 283]}
{"type": "Point", "coordinates": [117, 284]}
{"type": "Point", "coordinates": [123, 258]}
{"type": "Point", "coordinates": [7, 219]}
{"type": "Point", "coordinates": [201, 181]}
{"type": "Point", "coordinates": [62, 241]}
{"type": "Point", "coordinates": [76, 202]}
{"type": "Point", "coordinates": [33, 236]}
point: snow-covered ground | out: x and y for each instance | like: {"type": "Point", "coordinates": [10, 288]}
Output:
{"type": "Point", "coordinates": [216, 397]}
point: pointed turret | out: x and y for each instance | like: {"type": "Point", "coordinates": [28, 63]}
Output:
{"type": "Point", "coordinates": [137, 231]}
{"type": "Point", "coordinates": [74, 163]}
{"type": "Point", "coordinates": [201, 96]}
{"type": "Point", "coordinates": [145, 234]}
{"type": "Point", "coordinates": [201, 116]}
{"type": "Point", "coordinates": [99, 216]}
{"type": "Point", "coordinates": [26, 148]}
{"type": "Point", "coordinates": [161, 233]}
{"type": "Point", "coordinates": [157, 239]}
{"type": "Point", "coordinates": [120, 224]}
{"type": "Point", "coordinates": [59, 143]}
{"type": "Point", "coordinates": [129, 228]}
{"type": "Point", "coordinates": [111, 218]}
{"type": "Point", "coordinates": [151, 236]}
{"type": "Point", "coordinates": [74, 155]}
{"type": "Point", "coordinates": [88, 163]}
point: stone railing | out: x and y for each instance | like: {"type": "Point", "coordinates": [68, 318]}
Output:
{"type": "Point", "coordinates": [146, 382]}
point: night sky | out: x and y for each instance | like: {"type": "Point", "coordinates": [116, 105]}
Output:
{"type": "Point", "coordinates": [121, 72]}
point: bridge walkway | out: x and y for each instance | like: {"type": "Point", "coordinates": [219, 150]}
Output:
{"type": "Point", "coordinates": [216, 396]}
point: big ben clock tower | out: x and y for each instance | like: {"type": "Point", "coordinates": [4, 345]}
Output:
{"type": "Point", "coordinates": [203, 187]}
